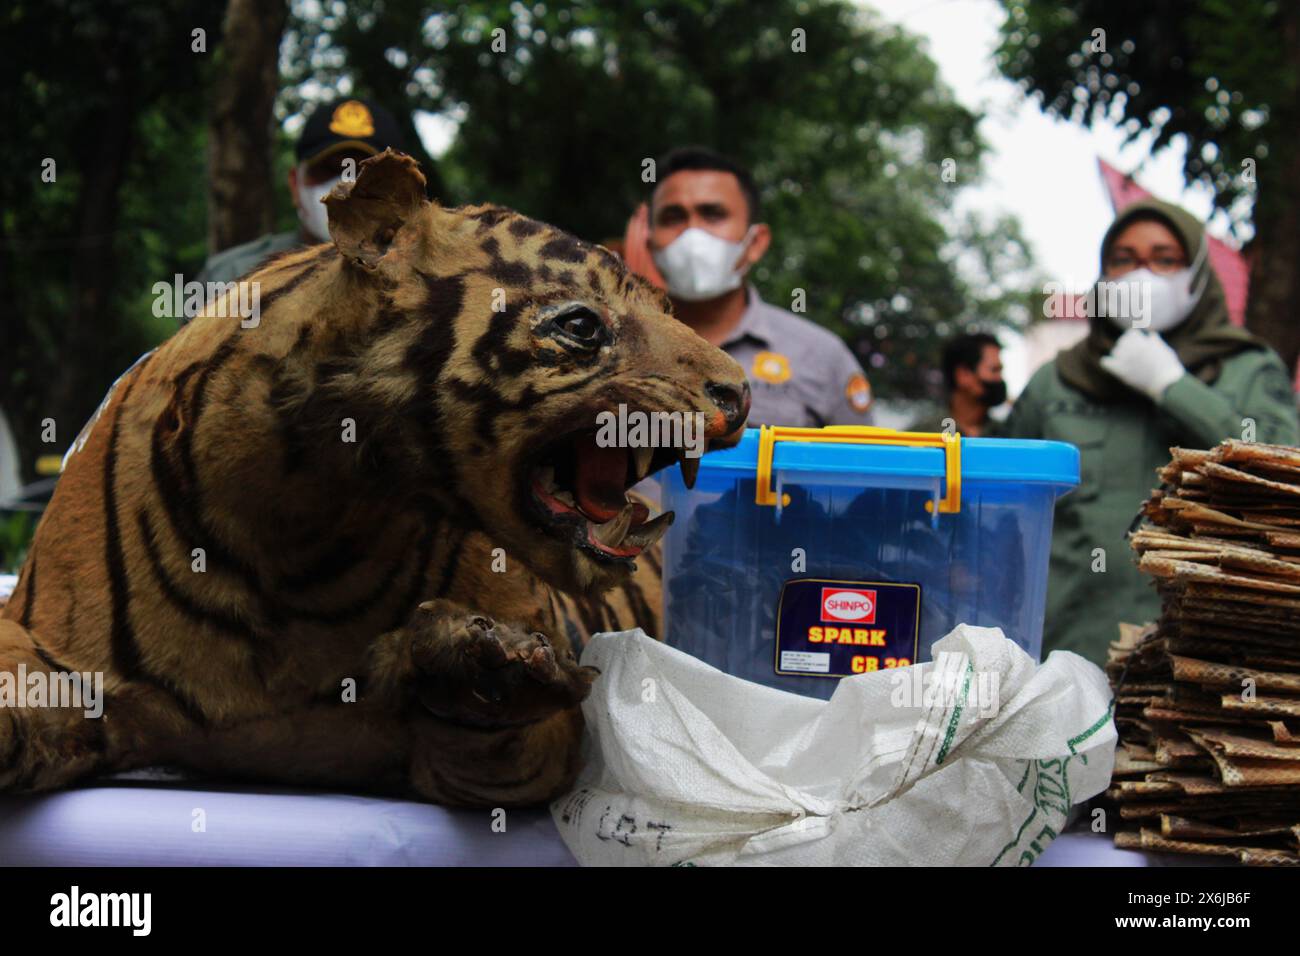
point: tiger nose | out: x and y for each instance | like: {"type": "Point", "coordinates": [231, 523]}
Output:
{"type": "Point", "coordinates": [732, 401]}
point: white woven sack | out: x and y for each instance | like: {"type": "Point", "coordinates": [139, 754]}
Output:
{"type": "Point", "coordinates": [974, 759]}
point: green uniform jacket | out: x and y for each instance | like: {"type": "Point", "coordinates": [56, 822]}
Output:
{"type": "Point", "coordinates": [1120, 446]}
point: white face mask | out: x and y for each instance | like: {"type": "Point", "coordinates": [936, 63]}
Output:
{"type": "Point", "coordinates": [698, 265]}
{"type": "Point", "coordinates": [1171, 297]}
{"type": "Point", "coordinates": [311, 211]}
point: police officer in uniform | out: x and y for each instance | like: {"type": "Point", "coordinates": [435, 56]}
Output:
{"type": "Point", "coordinates": [351, 129]}
{"type": "Point", "coordinates": [704, 235]}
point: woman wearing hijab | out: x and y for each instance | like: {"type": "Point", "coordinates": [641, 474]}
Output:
{"type": "Point", "coordinates": [1172, 370]}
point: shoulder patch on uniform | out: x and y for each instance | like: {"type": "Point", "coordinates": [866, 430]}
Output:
{"type": "Point", "coordinates": [771, 367]}
{"type": "Point", "coordinates": [858, 392]}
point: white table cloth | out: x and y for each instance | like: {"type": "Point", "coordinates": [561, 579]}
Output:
{"type": "Point", "coordinates": [135, 822]}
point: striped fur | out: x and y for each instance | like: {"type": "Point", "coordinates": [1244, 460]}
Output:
{"type": "Point", "coordinates": [331, 564]}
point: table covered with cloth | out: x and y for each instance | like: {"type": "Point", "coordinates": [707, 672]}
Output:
{"type": "Point", "coordinates": [133, 820]}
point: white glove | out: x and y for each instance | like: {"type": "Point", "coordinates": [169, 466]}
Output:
{"type": "Point", "coordinates": [1144, 361]}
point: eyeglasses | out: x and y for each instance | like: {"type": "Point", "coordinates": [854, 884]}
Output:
{"type": "Point", "coordinates": [1162, 264]}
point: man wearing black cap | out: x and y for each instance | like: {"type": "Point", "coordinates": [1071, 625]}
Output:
{"type": "Point", "coordinates": [351, 129]}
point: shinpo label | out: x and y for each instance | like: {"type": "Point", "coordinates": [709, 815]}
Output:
{"type": "Point", "coordinates": [841, 628]}
{"type": "Point", "coordinates": [839, 604]}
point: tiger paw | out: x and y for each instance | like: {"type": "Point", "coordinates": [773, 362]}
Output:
{"type": "Point", "coordinates": [471, 669]}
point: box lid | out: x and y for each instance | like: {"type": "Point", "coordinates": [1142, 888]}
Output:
{"type": "Point", "coordinates": [1016, 460]}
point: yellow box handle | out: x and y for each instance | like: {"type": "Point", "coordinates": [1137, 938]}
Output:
{"type": "Point", "coordinates": [769, 435]}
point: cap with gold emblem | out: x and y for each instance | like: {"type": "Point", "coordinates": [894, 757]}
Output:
{"type": "Point", "coordinates": [348, 124]}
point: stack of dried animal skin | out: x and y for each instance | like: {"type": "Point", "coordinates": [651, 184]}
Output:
{"type": "Point", "coordinates": [1208, 698]}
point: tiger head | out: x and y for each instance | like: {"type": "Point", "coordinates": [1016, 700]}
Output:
{"type": "Point", "coordinates": [497, 361]}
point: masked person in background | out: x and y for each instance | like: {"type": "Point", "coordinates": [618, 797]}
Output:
{"type": "Point", "coordinates": [704, 236]}
{"type": "Point", "coordinates": [972, 380]}
{"type": "Point", "coordinates": [352, 129]}
{"type": "Point", "coordinates": [1172, 370]}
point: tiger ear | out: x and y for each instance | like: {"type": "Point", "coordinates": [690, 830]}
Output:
{"type": "Point", "coordinates": [366, 215]}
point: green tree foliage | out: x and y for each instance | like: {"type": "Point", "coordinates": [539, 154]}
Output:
{"type": "Point", "coordinates": [113, 93]}
{"type": "Point", "coordinates": [847, 138]}
{"type": "Point", "coordinates": [1225, 74]}
{"type": "Point", "coordinates": [1205, 69]}
{"type": "Point", "coordinates": [16, 530]}
{"type": "Point", "coordinates": [842, 118]}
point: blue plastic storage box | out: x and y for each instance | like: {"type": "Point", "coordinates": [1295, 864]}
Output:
{"type": "Point", "coordinates": [804, 555]}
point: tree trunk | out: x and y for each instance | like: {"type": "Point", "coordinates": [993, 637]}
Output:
{"type": "Point", "coordinates": [101, 166]}
{"type": "Point", "coordinates": [241, 182]}
{"type": "Point", "coordinates": [1275, 270]}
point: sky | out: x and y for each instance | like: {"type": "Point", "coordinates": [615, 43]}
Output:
{"type": "Point", "coordinates": [1042, 170]}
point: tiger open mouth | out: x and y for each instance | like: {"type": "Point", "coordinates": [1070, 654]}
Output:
{"type": "Point", "coordinates": [579, 490]}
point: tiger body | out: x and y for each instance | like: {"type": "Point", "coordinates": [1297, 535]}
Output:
{"type": "Point", "coordinates": [232, 563]}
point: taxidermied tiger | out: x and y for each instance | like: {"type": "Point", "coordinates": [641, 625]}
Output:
{"type": "Point", "coordinates": [281, 544]}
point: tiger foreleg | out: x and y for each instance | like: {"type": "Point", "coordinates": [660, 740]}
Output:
{"type": "Point", "coordinates": [51, 734]}
{"type": "Point", "coordinates": [492, 708]}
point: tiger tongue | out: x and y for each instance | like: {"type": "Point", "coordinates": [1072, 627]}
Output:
{"type": "Point", "coordinates": [599, 478]}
